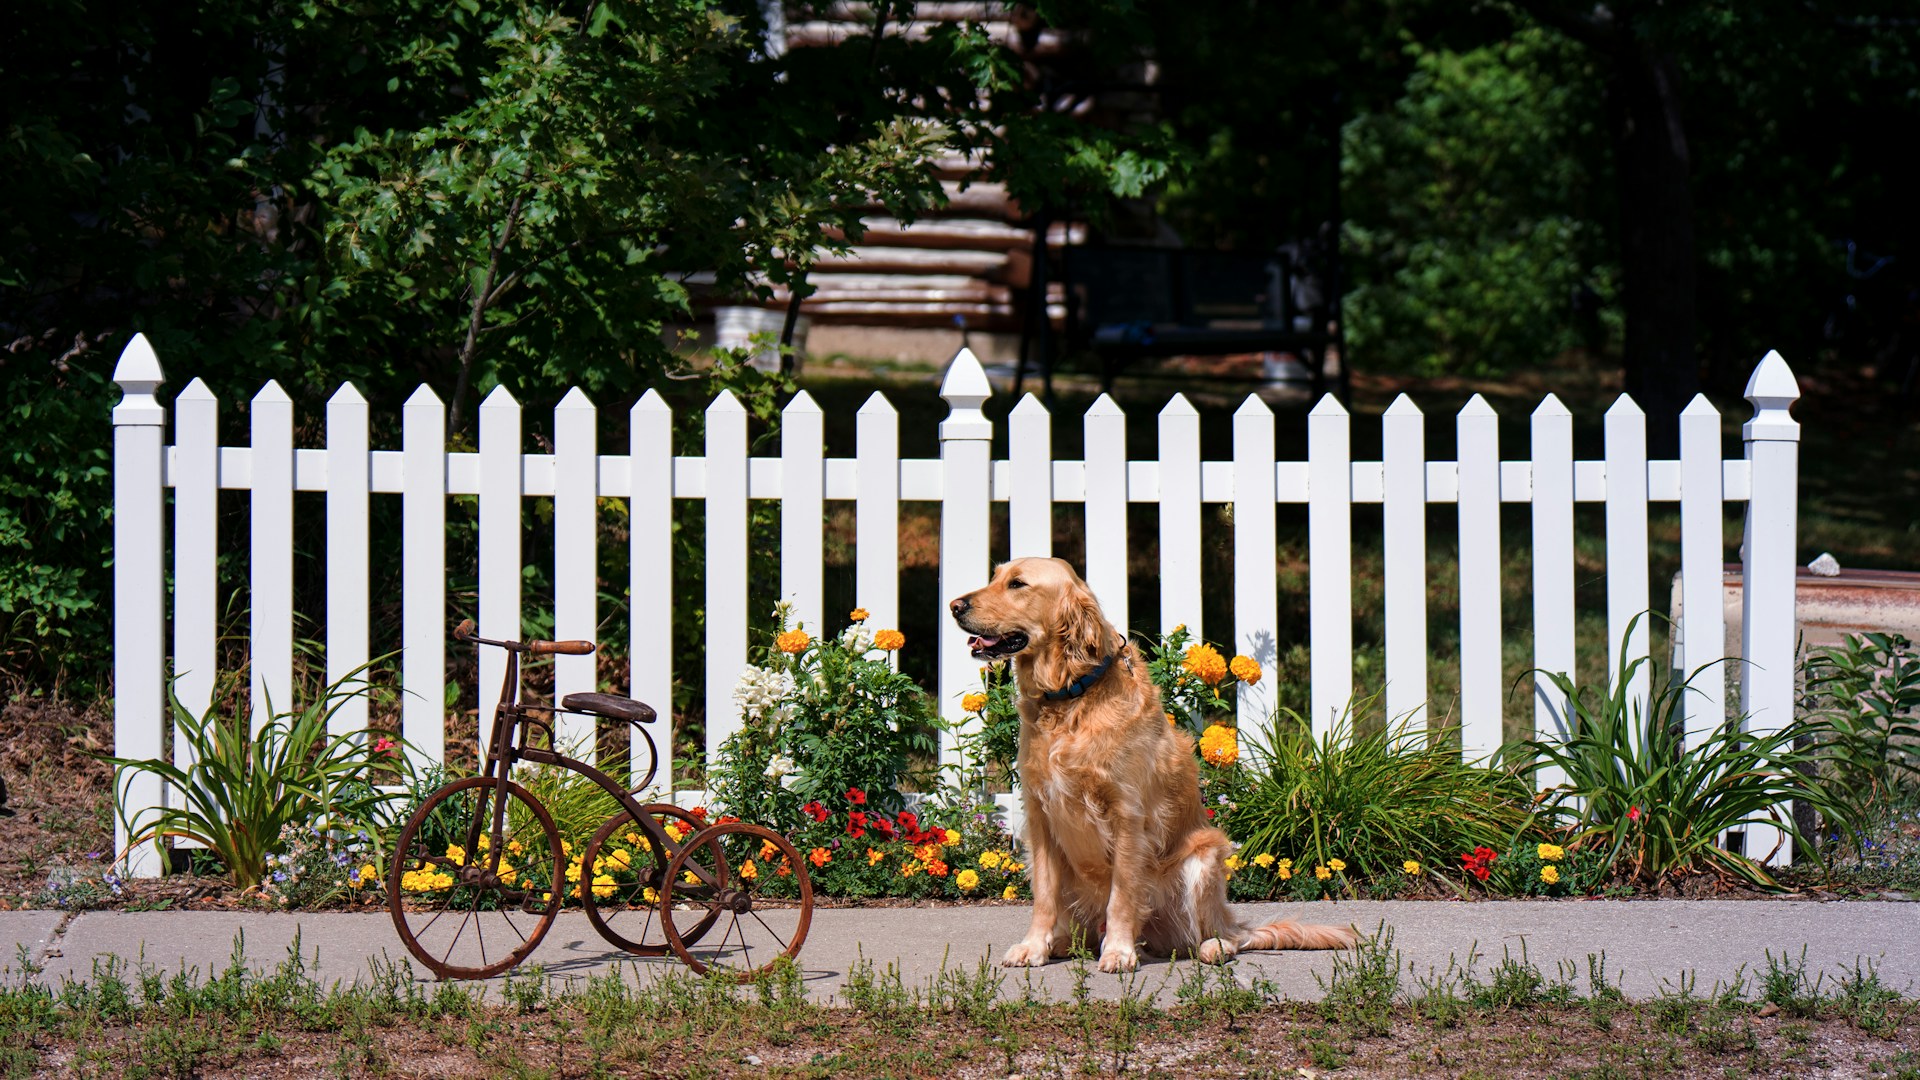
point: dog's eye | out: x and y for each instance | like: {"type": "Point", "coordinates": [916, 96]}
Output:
{"type": "Point", "coordinates": [1016, 583]}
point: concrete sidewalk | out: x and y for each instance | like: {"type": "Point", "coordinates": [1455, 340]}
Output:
{"type": "Point", "coordinates": [1647, 943]}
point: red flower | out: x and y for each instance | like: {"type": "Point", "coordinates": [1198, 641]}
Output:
{"type": "Point", "coordinates": [725, 818]}
{"type": "Point", "coordinates": [857, 817]}
{"type": "Point", "coordinates": [1633, 813]}
{"type": "Point", "coordinates": [1209, 811]}
{"type": "Point", "coordinates": [815, 811]}
{"type": "Point", "coordinates": [1476, 862]}
{"type": "Point", "coordinates": [856, 796]}
{"type": "Point", "coordinates": [908, 821]}
{"type": "Point", "coordinates": [854, 830]}
{"type": "Point", "coordinates": [383, 745]}
{"type": "Point", "coordinates": [698, 813]}
{"type": "Point", "coordinates": [1480, 871]}
{"type": "Point", "coordinates": [882, 826]}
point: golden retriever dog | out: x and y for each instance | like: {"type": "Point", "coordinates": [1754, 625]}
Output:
{"type": "Point", "coordinates": [1119, 847]}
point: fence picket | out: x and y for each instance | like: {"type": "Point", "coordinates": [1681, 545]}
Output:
{"type": "Point", "coordinates": [1030, 461]}
{"type": "Point", "coordinates": [1703, 623]}
{"type": "Point", "coordinates": [1256, 583]}
{"type": "Point", "coordinates": [139, 594]}
{"type": "Point", "coordinates": [1627, 593]}
{"type": "Point", "coordinates": [1330, 562]}
{"type": "Point", "coordinates": [349, 469]}
{"type": "Point", "coordinates": [1180, 517]}
{"type": "Point", "coordinates": [271, 558]}
{"type": "Point", "coordinates": [1480, 697]}
{"type": "Point", "coordinates": [423, 577]}
{"type": "Point", "coordinates": [966, 490]}
{"type": "Point", "coordinates": [196, 583]}
{"type": "Point", "coordinates": [726, 468]}
{"type": "Point", "coordinates": [501, 493]}
{"type": "Point", "coordinates": [1106, 569]}
{"type": "Point", "coordinates": [1404, 527]}
{"type": "Point", "coordinates": [576, 559]}
{"type": "Point", "coordinates": [650, 561]}
{"type": "Point", "coordinates": [876, 512]}
{"type": "Point", "coordinates": [1553, 648]}
{"type": "Point", "coordinates": [803, 510]}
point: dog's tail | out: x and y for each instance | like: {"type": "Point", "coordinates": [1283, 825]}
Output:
{"type": "Point", "coordinates": [1292, 935]}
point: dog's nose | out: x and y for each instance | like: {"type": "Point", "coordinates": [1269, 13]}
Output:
{"type": "Point", "coordinates": [960, 607]}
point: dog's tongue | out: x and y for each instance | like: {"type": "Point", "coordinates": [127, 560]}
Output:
{"type": "Point", "coordinates": [979, 642]}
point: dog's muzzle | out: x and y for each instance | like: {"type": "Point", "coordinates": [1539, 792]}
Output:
{"type": "Point", "coordinates": [986, 646]}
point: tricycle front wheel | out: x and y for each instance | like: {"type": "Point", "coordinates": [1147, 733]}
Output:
{"type": "Point", "coordinates": [745, 890]}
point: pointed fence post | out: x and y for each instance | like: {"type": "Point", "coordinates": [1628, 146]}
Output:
{"type": "Point", "coordinates": [1703, 624]}
{"type": "Point", "coordinates": [1627, 592]}
{"type": "Point", "coordinates": [1553, 638]}
{"type": "Point", "coordinates": [1030, 476]}
{"type": "Point", "coordinates": [1330, 562]}
{"type": "Point", "coordinates": [1180, 543]}
{"type": "Point", "coordinates": [876, 511]}
{"type": "Point", "coordinates": [650, 568]}
{"type": "Point", "coordinates": [803, 512]}
{"type": "Point", "coordinates": [423, 578]}
{"type": "Point", "coordinates": [196, 590]}
{"type": "Point", "coordinates": [139, 592]}
{"type": "Point", "coordinates": [1105, 426]}
{"type": "Point", "coordinates": [576, 560]}
{"type": "Point", "coordinates": [349, 475]}
{"type": "Point", "coordinates": [1482, 698]}
{"type": "Point", "coordinates": [502, 488]}
{"type": "Point", "coordinates": [726, 466]}
{"type": "Point", "coordinates": [966, 441]}
{"type": "Point", "coordinates": [1256, 584]}
{"type": "Point", "coordinates": [1769, 566]}
{"type": "Point", "coordinates": [1404, 520]}
{"type": "Point", "coordinates": [270, 598]}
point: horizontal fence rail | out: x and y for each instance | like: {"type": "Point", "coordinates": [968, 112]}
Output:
{"type": "Point", "coordinates": [965, 480]}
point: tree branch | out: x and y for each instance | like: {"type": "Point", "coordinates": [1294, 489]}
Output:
{"type": "Point", "coordinates": [482, 297]}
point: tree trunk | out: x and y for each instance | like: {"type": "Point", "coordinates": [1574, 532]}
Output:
{"type": "Point", "coordinates": [1656, 239]}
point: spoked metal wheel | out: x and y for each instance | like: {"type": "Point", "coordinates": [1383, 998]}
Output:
{"type": "Point", "coordinates": [466, 905]}
{"type": "Point", "coordinates": [747, 890]}
{"type": "Point", "coordinates": [627, 912]}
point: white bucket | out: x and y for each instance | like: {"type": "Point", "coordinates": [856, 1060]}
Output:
{"type": "Point", "coordinates": [735, 328]}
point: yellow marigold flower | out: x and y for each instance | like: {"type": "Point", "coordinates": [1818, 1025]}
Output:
{"type": "Point", "coordinates": [858, 614]}
{"type": "Point", "coordinates": [768, 849]}
{"type": "Point", "coordinates": [953, 837]}
{"type": "Point", "coordinates": [927, 852]}
{"type": "Point", "coordinates": [456, 855]}
{"type": "Point", "coordinates": [1015, 867]}
{"type": "Point", "coordinates": [889, 640]}
{"type": "Point", "coordinates": [990, 859]}
{"type": "Point", "coordinates": [1551, 852]}
{"type": "Point", "coordinates": [1246, 669]}
{"type": "Point", "coordinates": [508, 874]}
{"type": "Point", "coordinates": [793, 641]}
{"type": "Point", "coordinates": [573, 870]}
{"type": "Point", "coordinates": [1322, 873]}
{"type": "Point", "coordinates": [1235, 862]}
{"type": "Point", "coordinates": [973, 702]}
{"type": "Point", "coordinates": [689, 877]}
{"type": "Point", "coordinates": [603, 886]}
{"type": "Point", "coordinates": [967, 880]}
{"type": "Point", "coordinates": [566, 847]}
{"type": "Point", "coordinates": [748, 870]}
{"type": "Point", "coordinates": [515, 847]}
{"type": "Point", "coordinates": [486, 841]}
{"type": "Point", "coordinates": [1010, 893]}
{"type": "Point", "coordinates": [1336, 865]}
{"type": "Point", "coordinates": [1285, 871]}
{"type": "Point", "coordinates": [874, 855]}
{"type": "Point", "coordinates": [618, 859]}
{"type": "Point", "coordinates": [1219, 745]}
{"type": "Point", "coordinates": [1550, 875]}
{"type": "Point", "coordinates": [1263, 860]}
{"type": "Point", "coordinates": [1206, 663]}
{"type": "Point", "coordinates": [1410, 867]}
{"type": "Point", "coordinates": [368, 874]}
{"type": "Point", "coordinates": [650, 895]}
{"type": "Point", "coordinates": [910, 869]}
{"type": "Point", "coordinates": [1286, 864]}
{"type": "Point", "coordinates": [632, 838]}
{"type": "Point", "coordinates": [673, 832]}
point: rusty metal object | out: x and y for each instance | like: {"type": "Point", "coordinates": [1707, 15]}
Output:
{"type": "Point", "coordinates": [480, 872]}
{"type": "Point", "coordinates": [1828, 607]}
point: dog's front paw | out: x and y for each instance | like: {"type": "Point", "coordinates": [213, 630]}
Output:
{"type": "Point", "coordinates": [1026, 954]}
{"type": "Point", "coordinates": [1215, 950]}
{"type": "Point", "coordinates": [1117, 958]}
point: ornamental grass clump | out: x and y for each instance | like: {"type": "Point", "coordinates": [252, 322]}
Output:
{"type": "Point", "coordinates": [244, 789]}
{"type": "Point", "coordinates": [821, 716]}
{"type": "Point", "coordinates": [1654, 808]}
{"type": "Point", "coordinates": [1373, 802]}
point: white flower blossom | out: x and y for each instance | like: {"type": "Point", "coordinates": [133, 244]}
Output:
{"type": "Point", "coordinates": [760, 690]}
{"type": "Point", "coordinates": [782, 769]}
{"type": "Point", "coordinates": [857, 639]}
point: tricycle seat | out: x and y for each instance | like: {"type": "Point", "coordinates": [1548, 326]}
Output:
{"type": "Point", "coordinates": [612, 706]}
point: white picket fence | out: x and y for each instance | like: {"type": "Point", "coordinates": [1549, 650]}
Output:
{"type": "Point", "coordinates": [964, 480]}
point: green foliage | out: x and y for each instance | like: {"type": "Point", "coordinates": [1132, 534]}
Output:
{"type": "Point", "coordinates": [1473, 211]}
{"type": "Point", "coordinates": [1195, 680]}
{"type": "Point", "coordinates": [1655, 806]}
{"type": "Point", "coordinates": [1866, 691]}
{"type": "Point", "coordinates": [990, 751]}
{"type": "Point", "coordinates": [244, 787]}
{"type": "Point", "coordinates": [1373, 800]}
{"type": "Point", "coordinates": [821, 717]}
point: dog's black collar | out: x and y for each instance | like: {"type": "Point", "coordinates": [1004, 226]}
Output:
{"type": "Point", "coordinates": [1080, 685]}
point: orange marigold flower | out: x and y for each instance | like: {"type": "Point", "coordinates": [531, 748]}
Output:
{"type": "Point", "coordinates": [889, 640]}
{"type": "Point", "coordinates": [749, 871]}
{"type": "Point", "coordinates": [937, 868]}
{"type": "Point", "coordinates": [1246, 669]}
{"type": "Point", "coordinates": [768, 850]}
{"type": "Point", "coordinates": [858, 614]}
{"type": "Point", "coordinates": [874, 855]}
{"type": "Point", "coordinates": [973, 702]}
{"type": "Point", "coordinates": [792, 641]}
{"type": "Point", "coordinates": [1206, 663]}
{"type": "Point", "coordinates": [819, 856]}
{"type": "Point", "coordinates": [1219, 745]}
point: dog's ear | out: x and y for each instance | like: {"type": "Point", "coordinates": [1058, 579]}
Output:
{"type": "Point", "coordinates": [1081, 636]}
